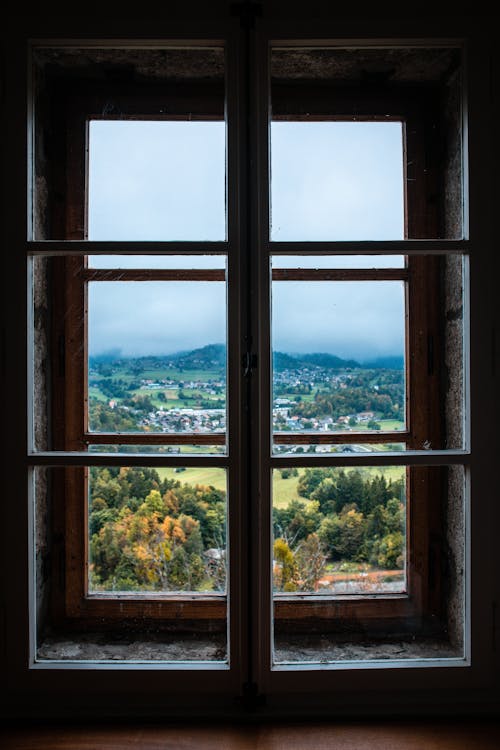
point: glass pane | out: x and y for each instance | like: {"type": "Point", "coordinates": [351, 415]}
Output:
{"type": "Point", "coordinates": [152, 163]}
{"type": "Point", "coordinates": [149, 551]}
{"type": "Point", "coordinates": [286, 448]}
{"type": "Point", "coordinates": [339, 261]}
{"type": "Point", "coordinates": [164, 449]}
{"type": "Point", "coordinates": [337, 181]}
{"type": "Point", "coordinates": [156, 180]}
{"type": "Point", "coordinates": [368, 563]}
{"type": "Point", "coordinates": [157, 357]}
{"type": "Point", "coordinates": [157, 530]}
{"type": "Point", "coordinates": [361, 138]}
{"type": "Point", "coordinates": [339, 531]}
{"type": "Point", "coordinates": [338, 356]}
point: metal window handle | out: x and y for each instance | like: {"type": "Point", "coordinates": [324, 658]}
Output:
{"type": "Point", "coordinates": [249, 363]}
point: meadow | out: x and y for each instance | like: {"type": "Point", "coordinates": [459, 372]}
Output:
{"type": "Point", "coordinates": [284, 490]}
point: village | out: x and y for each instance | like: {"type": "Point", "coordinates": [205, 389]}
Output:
{"type": "Point", "coordinates": [190, 397]}
{"type": "Point", "coordinates": [205, 420]}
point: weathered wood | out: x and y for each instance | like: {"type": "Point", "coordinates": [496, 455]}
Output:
{"type": "Point", "coordinates": [339, 274]}
{"type": "Point", "coordinates": [153, 274]}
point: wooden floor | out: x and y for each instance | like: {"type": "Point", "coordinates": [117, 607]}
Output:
{"type": "Point", "coordinates": [397, 735]}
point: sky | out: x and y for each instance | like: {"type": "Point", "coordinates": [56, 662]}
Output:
{"type": "Point", "coordinates": [166, 181]}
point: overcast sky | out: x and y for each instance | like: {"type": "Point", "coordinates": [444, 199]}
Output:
{"type": "Point", "coordinates": [166, 181]}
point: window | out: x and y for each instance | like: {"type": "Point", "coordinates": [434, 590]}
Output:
{"type": "Point", "coordinates": [143, 546]}
{"type": "Point", "coordinates": [141, 361]}
{"type": "Point", "coordinates": [250, 441]}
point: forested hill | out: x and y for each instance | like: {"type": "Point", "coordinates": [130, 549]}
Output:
{"type": "Point", "coordinates": [320, 359]}
{"type": "Point", "coordinates": [206, 358]}
{"type": "Point", "coordinates": [214, 356]}
{"type": "Point", "coordinates": [326, 361]}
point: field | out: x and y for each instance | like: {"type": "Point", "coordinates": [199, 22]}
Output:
{"type": "Point", "coordinates": [385, 424]}
{"type": "Point", "coordinates": [285, 490]}
{"type": "Point", "coordinates": [207, 476]}
{"type": "Point", "coordinates": [171, 397]}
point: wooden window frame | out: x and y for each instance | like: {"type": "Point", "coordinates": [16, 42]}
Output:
{"type": "Point", "coordinates": [422, 604]}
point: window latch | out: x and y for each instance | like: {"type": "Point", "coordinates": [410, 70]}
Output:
{"type": "Point", "coordinates": [249, 363]}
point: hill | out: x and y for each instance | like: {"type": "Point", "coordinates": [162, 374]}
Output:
{"type": "Point", "coordinates": [282, 361]}
{"type": "Point", "coordinates": [214, 356]}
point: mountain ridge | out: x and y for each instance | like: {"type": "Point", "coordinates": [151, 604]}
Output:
{"type": "Point", "coordinates": [214, 355]}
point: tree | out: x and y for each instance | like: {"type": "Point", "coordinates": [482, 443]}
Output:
{"type": "Point", "coordinates": [343, 534]}
{"type": "Point", "coordinates": [286, 576]}
{"type": "Point", "coordinates": [146, 533]}
{"type": "Point", "coordinates": [388, 552]}
{"type": "Point", "coordinates": [310, 557]}
{"type": "Point", "coordinates": [310, 479]}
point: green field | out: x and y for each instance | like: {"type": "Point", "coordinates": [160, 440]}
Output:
{"type": "Point", "coordinates": [94, 392]}
{"type": "Point", "coordinates": [171, 394]}
{"type": "Point", "coordinates": [285, 490]}
{"type": "Point", "coordinates": [173, 373]}
{"type": "Point", "coordinates": [387, 425]}
{"type": "Point", "coordinates": [207, 476]}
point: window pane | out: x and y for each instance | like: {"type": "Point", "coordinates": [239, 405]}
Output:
{"type": "Point", "coordinates": [157, 530]}
{"type": "Point", "coordinates": [137, 134]}
{"type": "Point", "coordinates": [339, 261]}
{"type": "Point", "coordinates": [282, 447]}
{"type": "Point", "coordinates": [156, 180]}
{"type": "Point", "coordinates": [163, 449]}
{"type": "Point", "coordinates": [157, 357]}
{"type": "Point", "coordinates": [338, 356]}
{"type": "Point", "coordinates": [362, 139]}
{"type": "Point", "coordinates": [131, 564]}
{"type": "Point", "coordinates": [339, 531]}
{"type": "Point", "coordinates": [368, 563]}
{"type": "Point", "coordinates": [337, 181]}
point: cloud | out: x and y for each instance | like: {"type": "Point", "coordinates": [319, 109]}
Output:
{"type": "Point", "coordinates": [166, 181]}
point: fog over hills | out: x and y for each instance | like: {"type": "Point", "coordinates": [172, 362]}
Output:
{"type": "Point", "coordinates": [214, 355]}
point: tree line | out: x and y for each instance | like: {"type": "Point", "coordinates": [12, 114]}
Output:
{"type": "Point", "coordinates": [350, 516]}
{"type": "Point", "coordinates": [148, 533]}
{"type": "Point", "coordinates": [152, 534]}
{"type": "Point", "coordinates": [357, 395]}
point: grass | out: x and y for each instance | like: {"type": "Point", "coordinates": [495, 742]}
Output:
{"type": "Point", "coordinates": [207, 449]}
{"type": "Point", "coordinates": [387, 425]}
{"type": "Point", "coordinates": [207, 476]}
{"type": "Point", "coordinates": [285, 490]}
{"type": "Point", "coordinates": [97, 394]}
{"type": "Point", "coordinates": [167, 373]}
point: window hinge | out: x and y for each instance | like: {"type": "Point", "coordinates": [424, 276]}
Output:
{"type": "Point", "coordinates": [493, 626]}
{"type": "Point", "coordinates": [3, 632]}
{"type": "Point", "coordinates": [59, 552]}
{"type": "Point", "coordinates": [430, 354]}
{"type": "Point", "coordinates": [493, 352]}
{"type": "Point", "coordinates": [249, 363]}
{"type": "Point", "coordinates": [61, 353]}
